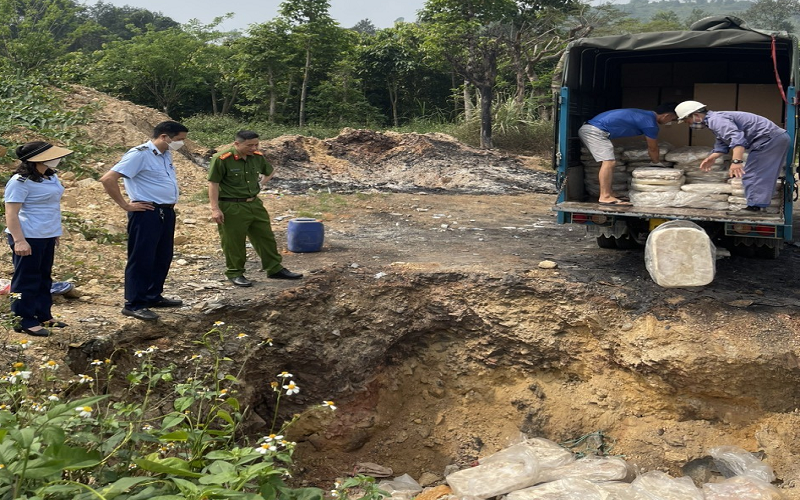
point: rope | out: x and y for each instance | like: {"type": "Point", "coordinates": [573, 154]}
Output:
{"type": "Point", "coordinates": [595, 444]}
{"type": "Point", "coordinates": [775, 67]}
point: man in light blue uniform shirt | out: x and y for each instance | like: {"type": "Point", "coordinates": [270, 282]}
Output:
{"type": "Point", "coordinates": [152, 187]}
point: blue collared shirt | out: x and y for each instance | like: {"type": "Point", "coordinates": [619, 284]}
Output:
{"type": "Point", "coordinates": [148, 174]}
{"type": "Point", "coordinates": [40, 213]}
{"type": "Point", "coordinates": [629, 122]}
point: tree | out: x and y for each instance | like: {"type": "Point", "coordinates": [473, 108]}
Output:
{"type": "Point", "coordinates": [315, 31]}
{"type": "Point", "coordinates": [471, 35]}
{"type": "Point", "coordinates": [123, 23]}
{"type": "Point", "coordinates": [340, 100]}
{"type": "Point", "coordinates": [36, 33]}
{"type": "Point", "coordinates": [154, 68]}
{"type": "Point", "coordinates": [386, 58]}
{"type": "Point", "coordinates": [772, 14]}
{"type": "Point", "coordinates": [365, 27]}
{"type": "Point", "coordinates": [269, 53]}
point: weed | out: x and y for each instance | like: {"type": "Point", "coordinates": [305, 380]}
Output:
{"type": "Point", "coordinates": [72, 440]}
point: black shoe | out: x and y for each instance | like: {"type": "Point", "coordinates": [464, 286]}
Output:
{"type": "Point", "coordinates": [241, 281]}
{"type": "Point", "coordinates": [42, 332]}
{"type": "Point", "coordinates": [285, 274]}
{"type": "Point", "coordinates": [165, 302]}
{"type": "Point", "coordinates": [144, 314]}
{"type": "Point", "coordinates": [54, 324]}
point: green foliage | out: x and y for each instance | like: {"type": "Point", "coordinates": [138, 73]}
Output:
{"type": "Point", "coordinates": [214, 131]}
{"type": "Point", "coordinates": [359, 487]}
{"type": "Point", "coordinates": [30, 104]}
{"type": "Point", "coordinates": [71, 440]}
{"type": "Point", "coordinates": [74, 223]}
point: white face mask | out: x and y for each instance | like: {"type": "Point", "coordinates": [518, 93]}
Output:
{"type": "Point", "coordinates": [175, 145]}
{"type": "Point", "coordinates": [52, 163]}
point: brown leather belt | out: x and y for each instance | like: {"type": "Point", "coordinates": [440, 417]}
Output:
{"type": "Point", "coordinates": [237, 200]}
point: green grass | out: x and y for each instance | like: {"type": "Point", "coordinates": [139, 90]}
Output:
{"type": "Point", "coordinates": [316, 205]}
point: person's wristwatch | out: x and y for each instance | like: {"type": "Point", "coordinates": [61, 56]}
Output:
{"type": "Point", "coordinates": [736, 162]}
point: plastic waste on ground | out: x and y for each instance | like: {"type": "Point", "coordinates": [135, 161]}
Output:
{"type": "Point", "coordinates": [742, 463]}
{"type": "Point", "coordinates": [590, 468]}
{"type": "Point", "coordinates": [402, 487]}
{"type": "Point", "coordinates": [657, 485]}
{"type": "Point", "coordinates": [562, 489]}
{"type": "Point", "coordinates": [741, 488]}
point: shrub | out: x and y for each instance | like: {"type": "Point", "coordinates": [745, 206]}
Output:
{"type": "Point", "coordinates": [56, 445]}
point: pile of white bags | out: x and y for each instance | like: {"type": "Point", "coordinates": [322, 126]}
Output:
{"type": "Point", "coordinates": [538, 469]}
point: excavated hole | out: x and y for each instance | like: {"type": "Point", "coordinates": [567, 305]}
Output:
{"type": "Point", "coordinates": [430, 370]}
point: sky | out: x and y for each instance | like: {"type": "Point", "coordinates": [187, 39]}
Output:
{"type": "Point", "coordinates": [382, 13]}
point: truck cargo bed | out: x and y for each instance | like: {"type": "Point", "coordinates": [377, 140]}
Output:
{"type": "Point", "coordinates": [697, 214]}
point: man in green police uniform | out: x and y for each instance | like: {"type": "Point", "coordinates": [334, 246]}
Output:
{"type": "Point", "coordinates": [235, 178]}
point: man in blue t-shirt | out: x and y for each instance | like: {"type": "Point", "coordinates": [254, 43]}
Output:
{"type": "Point", "coordinates": [596, 135]}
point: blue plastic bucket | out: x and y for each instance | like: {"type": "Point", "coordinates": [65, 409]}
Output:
{"type": "Point", "coordinates": [305, 235]}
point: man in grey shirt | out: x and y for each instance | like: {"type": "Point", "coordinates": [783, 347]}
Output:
{"type": "Point", "coordinates": [737, 132]}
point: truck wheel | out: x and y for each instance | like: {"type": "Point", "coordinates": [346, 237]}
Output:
{"type": "Point", "coordinates": [625, 242]}
{"type": "Point", "coordinates": [766, 252]}
{"type": "Point", "coordinates": [606, 241]}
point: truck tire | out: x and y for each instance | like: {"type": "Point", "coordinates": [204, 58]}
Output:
{"type": "Point", "coordinates": [606, 241]}
{"type": "Point", "coordinates": [767, 252]}
{"type": "Point", "coordinates": [625, 242]}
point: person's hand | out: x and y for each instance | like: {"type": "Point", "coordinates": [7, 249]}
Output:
{"type": "Point", "coordinates": [138, 206]}
{"type": "Point", "coordinates": [217, 215]}
{"type": "Point", "coordinates": [736, 170]}
{"type": "Point", "coordinates": [706, 164]}
{"type": "Point", "coordinates": [22, 248]}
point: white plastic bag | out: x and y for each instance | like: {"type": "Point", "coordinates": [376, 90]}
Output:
{"type": "Point", "coordinates": [742, 462]}
{"type": "Point", "coordinates": [741, 488]}
{"type": "Point", "coordinates": [654, 188]}
{"type": "Point", "coordinates": [514, 470]}
{"type": "Point", "coordinates": [657, 173]}
{"type": "Point", "coordinates": [690, 154]}
{"type": "Point", "coordinates": [656, 485]}
{"type": "Point", "coordinates": [619, 491]}
{"type": "Point", "coordinates": [590, 468]}
{"type": "Point", "coordinates": [401, 487]}
{"type": "Point", "coordinates": [656, 200]}
{"type": "Point", "coordinates": [563, 489]}
{"type": "Point", "coordinates": [708, 187]}
{"type": "Point", "coordinates": [548, 453]}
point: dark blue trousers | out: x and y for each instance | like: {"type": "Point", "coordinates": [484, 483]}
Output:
{"type": "Point", "coordinates": [32, 280]}
{"type": "Point", "coordinates": [151, 236]}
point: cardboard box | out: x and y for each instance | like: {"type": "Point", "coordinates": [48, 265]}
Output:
{"type": "Point", "coordinates": [639, 97]}
{"type": "Point", "coordinates": [764, 100]}
{"type": "Point", "coordinates": [689, 73]}
{"type": "Point", "coordinates": [676, 134]}
{"type": "Point", "coordinates": [646, 74]}
{"type": "Point", "coordinates": [716, 97]}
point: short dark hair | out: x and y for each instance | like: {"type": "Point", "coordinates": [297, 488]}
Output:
{"type": "Point", "coordinates": [245, 135]}
{"type": "Point", "coordinates": [170, 128]}
{"type": "Point", "coordinates": [667, 107]}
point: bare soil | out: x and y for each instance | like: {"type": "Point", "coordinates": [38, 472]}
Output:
{"type": "Point", "coordinates": [427, 318]}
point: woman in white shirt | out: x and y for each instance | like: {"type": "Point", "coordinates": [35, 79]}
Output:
{"type": "Point", "coordinates": [33, 225]}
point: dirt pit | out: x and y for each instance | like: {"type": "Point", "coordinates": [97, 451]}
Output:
{"type": "Point", "coordinates": [427, 318]}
